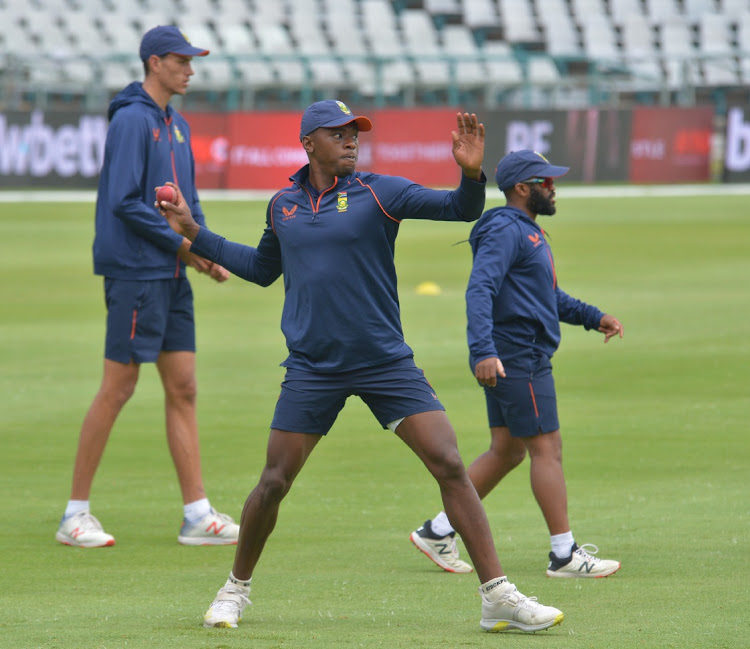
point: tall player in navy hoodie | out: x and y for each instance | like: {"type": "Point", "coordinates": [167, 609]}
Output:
{"type": "Point", "coordinates": [332, 233]}
{"type": "Point", "coordinates": [148, 295]}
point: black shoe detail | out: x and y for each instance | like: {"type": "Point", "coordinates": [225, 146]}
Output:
{"type": "Point", "coordinates": [555, 563]}
{"type": "Point", "coordinates": [426, 532]}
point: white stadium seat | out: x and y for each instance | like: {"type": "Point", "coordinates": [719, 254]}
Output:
{"type": "Point", "coordinates": [518, 22]}
{"type": "Point", "coordinates": [469, 69]}
{"type": "Point", "coordinates": [422, 44]}
{"type": "Point", "coordinates": [621, 10]}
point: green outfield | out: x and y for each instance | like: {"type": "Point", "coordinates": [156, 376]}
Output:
{"type": "Point", "coordinates": [655, 426]}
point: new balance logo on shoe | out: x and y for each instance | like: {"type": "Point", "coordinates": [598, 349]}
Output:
{"type": "Point", "coordinates": [586, 566]}
{"type": "Point", "coordinates": [442, 548]}
{"type": "Point", "coordinates": [215, 527]}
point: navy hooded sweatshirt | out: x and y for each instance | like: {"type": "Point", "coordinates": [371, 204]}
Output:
{"type": "Point", "coordinates": [513, 299]}
{"type": "Point", "coordinates": [145, 147]}
{"type": "Point", "coordinates": [335, 249]}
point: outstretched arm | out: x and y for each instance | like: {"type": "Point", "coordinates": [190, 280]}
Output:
{"type": "Point", "coordinates": [261, 265]}
{"type": "Point", "coordinates": [468, 145]}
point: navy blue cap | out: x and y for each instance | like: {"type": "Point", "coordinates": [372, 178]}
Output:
{"type": "Point", "coordinates": [167, 39]}
{"type": "Point", "coordinates": [330, 114]}
{"type": "Point", "coordinates": [522, 165]}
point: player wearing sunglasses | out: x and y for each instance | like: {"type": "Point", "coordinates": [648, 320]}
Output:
{"type": "Point", "coordinates": [514, 309]}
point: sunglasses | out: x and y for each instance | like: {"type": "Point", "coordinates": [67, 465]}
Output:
{"type": "Point", "coordinates": [547, 183]}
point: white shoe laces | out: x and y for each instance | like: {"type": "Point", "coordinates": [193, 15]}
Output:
{"type": "Point", "coordinates": [88, 522]}
{"type": "Point", "coordinates": [518, 599]}
{"type": "Point", "coordinates": [589, 554]}
{"type": "Point", "coordinates": [225, 518]}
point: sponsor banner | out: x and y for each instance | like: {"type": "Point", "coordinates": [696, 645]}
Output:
{"type": "Point", "coordinates": [416, 144]}
{"type": "Point", "coordinates": [671, 145]}
{"type": "Point", "coordinates": [737, 145]}
{"type": "Point", "coordinates": [593, 143]}
{"type": "Point", "coordinates": [60, 149]}
{"type": "Point", "coordinates": [209, 136]}
{"type": "Point", "coordinates": [261, 150]}
{"type": "Point", "coordinates": [265, 150]}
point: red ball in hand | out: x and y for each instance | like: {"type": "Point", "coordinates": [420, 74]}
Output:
{"type": "Point", "coordinates": [166, 193]}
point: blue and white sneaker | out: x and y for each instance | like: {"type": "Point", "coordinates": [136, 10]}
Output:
{"type": "Point", "coordinates": [440, 549]}
{"type": "Point", "coordinates": [213, 529]}
{"type": "Point", "coordinates": [82, 530]}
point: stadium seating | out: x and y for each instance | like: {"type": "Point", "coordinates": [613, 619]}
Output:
{"type": "Point", "coordinates": [397, 51]}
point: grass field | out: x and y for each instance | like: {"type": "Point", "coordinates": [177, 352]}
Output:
{"type": "Point", "coordinates": [657, 454]}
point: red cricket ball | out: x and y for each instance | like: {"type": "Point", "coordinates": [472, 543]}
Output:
{"type": "Point", "coordinates": [166, 193]}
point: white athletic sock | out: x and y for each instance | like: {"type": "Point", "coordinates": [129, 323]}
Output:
{"type": "Point", "coordinates": [196, 510]}
{"type": "Point", "coordinates": [76, 506]}
{"type": "Point", "coordinates": [562, 544]}
{"type": "Point", "coordinates": [441, 525]}
{"type": "Point", "coordinates": [240, 582]}
{"type": "Point", "coordinates": [490, 588]}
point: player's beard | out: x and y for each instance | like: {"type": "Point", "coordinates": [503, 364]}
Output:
{"type": "Point", "coordinates": [541, 203]}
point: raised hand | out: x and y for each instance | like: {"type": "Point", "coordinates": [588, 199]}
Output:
{"type": "Point", "coordinates": [468, 144]}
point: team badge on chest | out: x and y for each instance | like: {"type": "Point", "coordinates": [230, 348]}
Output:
{"type": "Point", "coordinates": [341, 202]}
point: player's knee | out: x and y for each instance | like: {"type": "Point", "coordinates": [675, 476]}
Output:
{"type": "Point", "coordinates": [117, 395]}
{"type": "Point", "coordinates": [183, 391]}
{"type": "Point", "coordinates": [273, 486]}
{"type": "Point", "coordinates": [448, 467]}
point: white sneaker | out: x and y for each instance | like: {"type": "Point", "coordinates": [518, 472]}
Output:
{"type": "Point", "coordinates": [441, 549]}
{"type": "Point", "coordinates": [226, 610]}
{"type": "Point", "coordinates": [213, 529]}
{"type": "Point", "coordinates": [83, 531]}
{"type": "Point", "coordinates": [505, 608]}
{"type": "Point", "coordinates": [582, 564]}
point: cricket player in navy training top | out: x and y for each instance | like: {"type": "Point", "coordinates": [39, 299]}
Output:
{"type": "Point", "coordinates": [149, 299]}
{"type": "Point", "coordinates": [514, 307]}
{"type": "Point", "coordinates": [332, 233]}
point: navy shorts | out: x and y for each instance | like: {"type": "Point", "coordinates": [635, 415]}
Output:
{"type": "Point", "coordinates": [524, 401]}
{"type": "Point", "coordinates": [147, 317]}
{"type": "Point", "coordinates": [310, 401]}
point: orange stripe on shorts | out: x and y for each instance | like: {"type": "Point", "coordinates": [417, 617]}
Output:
{"type": "Point", "coordinates": [533, 399]}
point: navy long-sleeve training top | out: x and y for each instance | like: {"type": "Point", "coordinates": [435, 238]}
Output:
{"type": "Point", "coordinates": [513, 295]}
{"type": "Point", "coordinates": [145, 147]}
{"type": "Point", "coordinates": [335, 249]}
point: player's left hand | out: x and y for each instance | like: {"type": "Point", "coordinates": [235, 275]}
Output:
{"type": "Point", "coordinates": [610, 327]}
{"type": "Point", "coordinates": [468, 145]}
